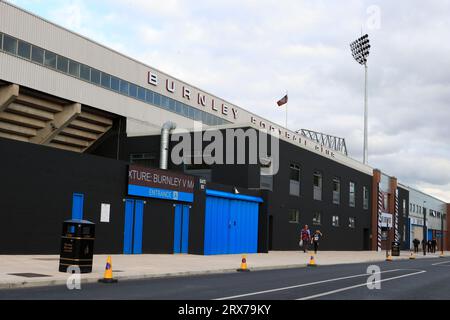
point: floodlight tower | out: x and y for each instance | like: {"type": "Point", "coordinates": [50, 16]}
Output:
{"type": "Point", "coordinates": [360, 51]}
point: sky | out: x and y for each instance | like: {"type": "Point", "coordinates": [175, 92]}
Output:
{"type": "Point", "coordinates": [250, 52]}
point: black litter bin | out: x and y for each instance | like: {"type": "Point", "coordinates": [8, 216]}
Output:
{"type": "Point", "coordinates": [77, 245]}
{"type": "Point", "coordinates": [395, 248]}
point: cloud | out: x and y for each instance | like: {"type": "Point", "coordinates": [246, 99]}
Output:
{"type": "Point", "coordinates": [251, 52]}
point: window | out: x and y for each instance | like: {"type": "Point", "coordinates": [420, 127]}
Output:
{"type": "Point", "coordinates": [317, 218]}
{"type": "Point", "coordinates": [156, 99]}
{"type": "Point", "coordinates": [335, 221]}
{"type": "Point", "coordinates": [1, 41]}
{"type": "Point", "coordinates": [351, 198]}
{"type": "Point", "coordinates": [133, 90]}
{"type": "Point", "coordinates": [74, 68]}
{"type": "Point", "coordinates": [9, 44]}
{"type": "Point", "coordinates": [317, 185]}
{"type": "Point", "coordinates": [50, 59]}
{"type": "Point", "coordinates": [24, 50]}
{"type": "Point", "coordinates": [294, 216]}
{"type": "Point", "coordinates": [141, 93]}
{"type": "Point", "coordinates": [365, 198]}
{"type": "Point", "coordinates": [95, 76]}
{"type": "Point", "coordinates": [336, 191]}
{"type": "Point", "coordinates": [115, 83]}
{"type": "Point", "coordinates": [294, 180]}
{"type": "Point", "coordinates": [124, 86]}
{"type": "Point", "coordinates": [144, 159]}
{"type": "Point", "coordinates": [37, 55]}
{"type": "Point", "coordinates": [266, 178]}
{"type": "Point", "coordinates": [62, 64]}
{"type": "Point", "coordinates": [351, 222]}
{"type": "Point", "coordinates": [85, 72]}
{"type": "Point", "coordinates": [106, 80]}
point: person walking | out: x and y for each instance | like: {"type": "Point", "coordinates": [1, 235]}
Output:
{"type": "Point", "coordinates": [416, 243]}
{"type": "Point", "coordinates": [433, 245]}
{"type": "Point", "coordinates": [424, 247]}
{"type": "Point", "coordinates": [305, 238]}
{"type": "Point", "coordinates": [430, 248]}
{"type": "Point", "coordinates": [315, 240]}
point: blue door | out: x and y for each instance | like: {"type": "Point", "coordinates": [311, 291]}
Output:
{"type": "Point", "coordinates": [181, 229]}
{"type": "Point", "coordinates": [231, 223]}
{"type": "Point", "coordinates": [134, 218]}
{"type": "Point", "coordinates": [77, 206]}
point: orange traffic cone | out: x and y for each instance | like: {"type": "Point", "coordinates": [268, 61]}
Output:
{"type": "Point", "coordinates": [312, 261]}
{"type": "Point", "coordinates": [389, 257]}
{"type": "Point", "coordinates": [243, 267]}
{"type": "Point", "coordinates": [108, 276]}
{"type": "Point", "coordinates": [412, 256]}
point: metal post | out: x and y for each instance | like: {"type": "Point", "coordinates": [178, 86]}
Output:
{"type": "Point", "coordinates": [424, 229]}
{"type": "Point", "coordinates": [442, 233]}
{"type": "Point", "coordinates": [366, 159]}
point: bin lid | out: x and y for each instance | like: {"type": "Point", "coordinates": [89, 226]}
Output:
{"type": "Point", "coordinates": [78, 221]}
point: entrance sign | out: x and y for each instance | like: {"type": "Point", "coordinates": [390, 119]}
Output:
{"type": "Point", "coordinates": [161, 184]}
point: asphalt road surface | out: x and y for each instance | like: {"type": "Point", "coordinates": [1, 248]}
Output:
{"type": "Point", "coordinates": [405, 279]}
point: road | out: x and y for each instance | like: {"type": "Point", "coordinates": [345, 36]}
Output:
{"type": "Point", "coordinates": [404, 279]}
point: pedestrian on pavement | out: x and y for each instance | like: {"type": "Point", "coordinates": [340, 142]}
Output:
{"type": "Point", "coordinates": [424, 247]}
{"type": "Point", "coordinates": [305, 238]}
{"type": "Point", "coordinates": [429, 245]}
{"type": "Point", "coordinates": [416, 243]}
{"type": "Point", "coordinates": [433, 245]}
{"type": "Point", "coordinates": [315, 240]}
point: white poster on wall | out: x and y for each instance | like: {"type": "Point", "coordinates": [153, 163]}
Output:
{"type": "Point", "coordinates": [104, 214]}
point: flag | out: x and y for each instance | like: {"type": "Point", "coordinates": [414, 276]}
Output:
{"type": "Point", "coordinates": [282, 101]}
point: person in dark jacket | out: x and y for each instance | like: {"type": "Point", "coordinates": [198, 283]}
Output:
{"type": "Point", "coordinates": [433, 245]}
{"type": "Point", "coordinates": [429, 245]}
{"type": "Point", "coordinates": [315, 240]}
{"type": "Point", "coordinates": [416, 243]}
{"type": "Point", "coordinates": [424, 247]}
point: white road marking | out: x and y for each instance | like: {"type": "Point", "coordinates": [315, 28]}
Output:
{"type": "Point", "coordinates": [435, 264]}
{"type": "Point", "coordinates": [356, 286]}
{"type": "Point", "coordinates": [305, 284]}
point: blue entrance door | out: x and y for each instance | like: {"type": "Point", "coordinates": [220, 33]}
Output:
{"type": "Point", "coordinates": [231, 223]}
{"type": "Point", "coordinates": [134, 219]}
{"type": "Point", "coordinates": [77, 206]}
{"type": "Point", "coordinates": [181, 229]}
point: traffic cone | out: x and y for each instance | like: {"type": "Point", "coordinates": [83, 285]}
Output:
{"type": "Point", "coordinates": [312, 261]}
{"type": "Point", "coordinates": [108, 275]}
{"type": "Point", "coordinates": [412, 256]}
{"type": "Point", "coordinates": [389, 257]}
{"type": "Point", "coordinates": [243, 267]}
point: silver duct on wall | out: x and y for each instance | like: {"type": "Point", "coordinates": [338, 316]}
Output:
{"type": "Point", "coordinates": [165, 132]}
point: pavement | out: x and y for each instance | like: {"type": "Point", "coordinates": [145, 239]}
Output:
{"type": "Point", "coordinates": [424, 279]}
{"type": "Point", "coordinates": [42, 270]}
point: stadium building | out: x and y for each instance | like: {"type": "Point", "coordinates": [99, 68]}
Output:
{"type": "Point", "coordinates": [88, 133]}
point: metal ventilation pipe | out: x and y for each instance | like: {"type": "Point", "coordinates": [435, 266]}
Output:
{"type": "Point", "coordinates": [165, 132]}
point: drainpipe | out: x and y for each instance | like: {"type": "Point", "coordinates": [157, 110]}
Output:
{"type": "Point", "coordinates": [165, 132]}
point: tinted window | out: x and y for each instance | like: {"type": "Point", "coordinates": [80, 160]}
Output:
{"type": "Point", "coordinates": [115, 83]}
{"type": "Point", "coordinates": [1, 41]}
{"type": "Point", "coordinates": [156, 98]}
{"type": "Point", "coordinates": [24, 50]}
{"type": "Point", "coordinates": [85, 72]}
{"type": "Point", "coordinates": [141, 93]}
{"type": "Point", "coordinates": [95, 76]}
{"type": "Point", "coordinates": [37, 55]}
{"type": "Point", "coordinates": [124, 86]}
{"type": "Point", "coordinates": [164, 102]}
{"type": "Point", "coordinates": [62, 64]}
{"type": "Point", "coordinates": [50, 59]}
{"type": "Point", "coordinates": [106, 80]}
{"type": "Point", "coordinates": [148, 96]}
{"type": "Point", "coordinates": [172, 105]}
{"type": "Point", "coordinates": [74, 68]}
{"type": "Point", "coordinates": [9, 44]}
{"type": "Point", "coordinates": [133, 90]}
